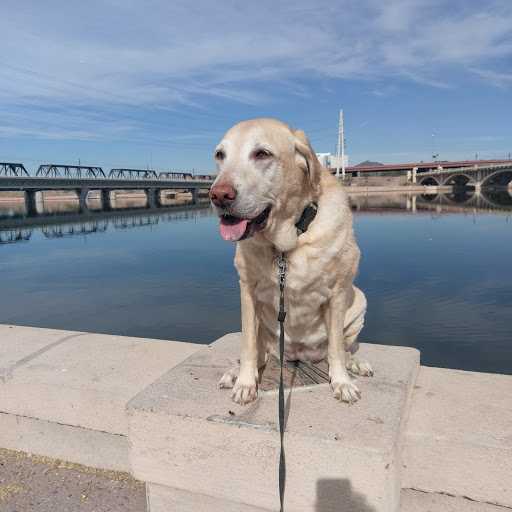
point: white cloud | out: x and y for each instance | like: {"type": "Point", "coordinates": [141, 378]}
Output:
{"type": "Point", "coordinates": [114, 56]}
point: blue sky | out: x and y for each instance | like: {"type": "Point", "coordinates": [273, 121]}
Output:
{"type": "Point", "coordinates": [122, 83]}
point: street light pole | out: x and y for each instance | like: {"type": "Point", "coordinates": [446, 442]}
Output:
{"type": "Point", "coordinates": [341, 146]}
{"type": "Point", "coordinates": [338, 148]}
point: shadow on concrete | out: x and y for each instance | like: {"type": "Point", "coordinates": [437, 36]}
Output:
{"type": "Point", "coordinates": [337, 495]}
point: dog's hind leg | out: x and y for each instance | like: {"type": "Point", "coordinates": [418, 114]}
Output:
{"type": "Point", "coordinates": [354, 321]}
{"type": "Point", "coordinates": [358, 365]}
{"type": "Point", "coordinates": [229, 378]}
{"type": "Point", "coordinates": [334, 314]}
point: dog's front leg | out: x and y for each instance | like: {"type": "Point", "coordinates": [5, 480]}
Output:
{"type": "Point", "coordinates": [334, 314]}
{"type": "Point", "coordinates": [245, 388]}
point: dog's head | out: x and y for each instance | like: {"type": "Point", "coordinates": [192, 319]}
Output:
{"type": "Point", "coordinates": [267, 174]}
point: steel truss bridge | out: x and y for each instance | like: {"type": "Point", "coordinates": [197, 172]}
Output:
{"type": "Point", "coordinates": [83, 171]}
{"type": "Point", "coordinates": [83, 179]}
{"type": "Point", "coordinates": [8, 169]}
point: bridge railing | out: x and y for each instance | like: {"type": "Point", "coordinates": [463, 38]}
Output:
{"type": "Point", "coordinates": [169, 175]}
{"type": "Point", "coordinates": [132, 174]}
{"type": "Point", "coordinates": [69, 171]}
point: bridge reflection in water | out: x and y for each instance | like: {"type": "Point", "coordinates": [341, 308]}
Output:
{"type": "Point", "coordinates": [498, 201]}
{"type": "Point", "coordinates": [17, 228]}
{"type": "Point", "coordinates": [58, 219]}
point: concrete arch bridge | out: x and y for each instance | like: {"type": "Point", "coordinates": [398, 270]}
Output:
{"type": "Point", "coordinates": [486, 176]}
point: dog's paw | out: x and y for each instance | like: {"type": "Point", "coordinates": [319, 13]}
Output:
{"type": "Point", "coordinates": [244, 393]}
{"type": "Point", "coordinates": [244, 388]}
{"type": "Point", "coordinates": [359, 366]}
{"type": "Point", "coordinates": [346, 392]}
{"type": "Point", "coordinates": [229, 378]}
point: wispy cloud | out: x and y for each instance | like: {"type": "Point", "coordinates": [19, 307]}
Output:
{"type": "Point", "coordinates": [111, 58]}
{"type": "Point", "coordinates": [496, 78]}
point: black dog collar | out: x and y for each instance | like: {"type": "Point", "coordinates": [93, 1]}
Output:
{"type": "Point", "coordinates": [307, 217]}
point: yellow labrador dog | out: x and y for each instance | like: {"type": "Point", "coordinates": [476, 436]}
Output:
{"type": "Point", "coordinates": [268, 177]}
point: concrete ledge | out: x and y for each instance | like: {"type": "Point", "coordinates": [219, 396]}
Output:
{"type": "Point", "coordinates": [186, 435]}
{"type": "Point", "coordinates": [64, 388]}
{"type": "Point", "coordinates": [459, 435]}
{"type": "Point", "coordinates": [63, 395]}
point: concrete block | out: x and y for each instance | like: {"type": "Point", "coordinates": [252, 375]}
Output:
{"type": "Point", "coordinates": [80, 379]}
{"type": "Point", "coordinates": [187, 435]}
{"type": "Point", "coordinates": [63, 394]}
{"type": "Point", "coordinates": [458, 437]}
{"type": "Point", "coordinates": [74, 444]}
{"type": "Point", "coordinates": [414, 501]}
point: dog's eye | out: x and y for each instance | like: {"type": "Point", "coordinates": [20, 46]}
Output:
{"type": "Point", "coordinates": [219, 155]}
{"type": "Point", "coordinates": [262, 153]}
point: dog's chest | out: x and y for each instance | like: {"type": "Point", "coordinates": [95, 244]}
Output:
{"type": "Point", "coordinates": [304, 294]}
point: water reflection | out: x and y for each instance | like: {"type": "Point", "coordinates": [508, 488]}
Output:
{"type": "Point", "coordinates": [46, 203]}
{"type": "Point", "coordinates": [435, 277]}
{"type": "Point", "coordinates": [485, 199]}
{"type": "Point", "coordinates": [464, 199]}
{"type": "Point", "coordinates": [64, 218]}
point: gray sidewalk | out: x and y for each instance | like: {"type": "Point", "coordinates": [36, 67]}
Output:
{"type": "Point", "coordinates": [40, 484]}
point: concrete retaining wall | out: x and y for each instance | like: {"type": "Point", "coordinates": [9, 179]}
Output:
{"type": "Point", "coordinates": [153, 407]}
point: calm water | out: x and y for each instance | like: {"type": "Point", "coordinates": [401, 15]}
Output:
{"type": "Point", "coordinates": [437, 274]}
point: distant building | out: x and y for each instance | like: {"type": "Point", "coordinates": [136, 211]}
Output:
{"type": "Point", "coordinates": [328, 160]}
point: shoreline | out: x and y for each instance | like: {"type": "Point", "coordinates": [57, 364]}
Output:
{"type": "Point", "coordinates": [425, 189]}
{"type": "Point", "coordinates": [430, 189]}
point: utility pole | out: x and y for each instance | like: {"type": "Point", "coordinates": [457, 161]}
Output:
{"type": "Point", "coordinates": [341, 145]}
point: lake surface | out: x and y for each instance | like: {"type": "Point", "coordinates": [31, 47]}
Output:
{"type": "Point", "coordinates": [436, 271]}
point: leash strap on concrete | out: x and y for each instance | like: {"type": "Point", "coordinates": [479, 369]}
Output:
{"type": "Point", "coordinates": [282, 264]}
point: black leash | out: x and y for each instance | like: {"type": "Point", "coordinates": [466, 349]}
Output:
{"type": "Point", "coordinates": [282, 265]}
{"type": "Point", "coordinates": [302, 225]}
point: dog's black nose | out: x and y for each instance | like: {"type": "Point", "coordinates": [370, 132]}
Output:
{"type": "Point", "coordinates": [223, 195]}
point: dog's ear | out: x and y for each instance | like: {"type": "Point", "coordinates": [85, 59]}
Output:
{"type": "Point", "coordinates": [304, 154]}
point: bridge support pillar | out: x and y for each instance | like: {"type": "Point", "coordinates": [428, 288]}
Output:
{"type": "Point", "coordinates": [30, 202]}
{"type": "Point", "coordinates": [153, 197]}
{"type": "Point", "coordinates": [81, 193]}
{"type": "Point", "coordinates": [195, 195]}
{"type": "Point", "coordinates": [414, 173]}
{"type": "Point", "coordinates": [105, 199]}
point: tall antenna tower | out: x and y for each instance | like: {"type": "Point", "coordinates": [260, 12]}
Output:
{"type": "Point", "coordinates": [341, 146]}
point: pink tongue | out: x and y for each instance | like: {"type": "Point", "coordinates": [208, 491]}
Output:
{"type": "Point", "coordinates": [232, 229]}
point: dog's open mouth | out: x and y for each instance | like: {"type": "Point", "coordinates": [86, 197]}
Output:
{"type": "Point", "coordinates": [234, 229]}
